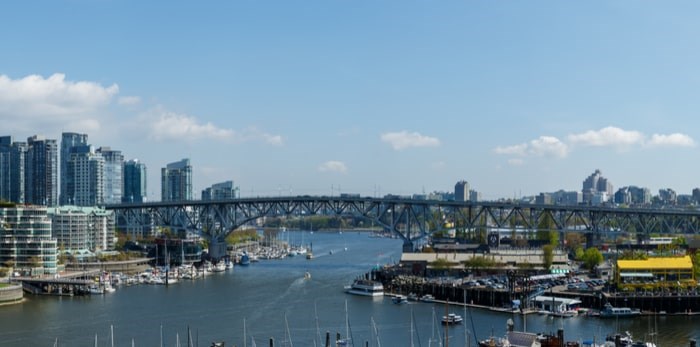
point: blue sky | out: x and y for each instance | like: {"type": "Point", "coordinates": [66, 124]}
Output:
{"type": "Point", "coordinates": [370, 97]}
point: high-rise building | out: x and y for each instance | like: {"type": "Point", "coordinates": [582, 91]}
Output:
{"type": "Point", "coordinates": [82, 228]}
{"type": "Point", "coordinates": [5, 167]}
{"type": "Point", "coordinates": [113, 175]}
{"type": "Point", "coordinates": [176, 181]}
{"type": "Point", "coordinates": [595, 185]}
{"type": "Point", "coordinates": [41, 183]}
{"type": "Point", "coordinates": [462, 191]}
{"type": "Point", "coordinates": [88, 168]}
{"type": "Point", "coordinates": [134, 181]}
{"type": "Point", "coordinates": [69, 141]}
{"type": "Point", "coordinates": [220, 191]}
{"type": "Point", "coordinates": [25, 236]}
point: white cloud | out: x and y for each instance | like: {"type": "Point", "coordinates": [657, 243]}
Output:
{"type": "Point", "coordinates": [253, 134]}
{"type": "Point", "coordinates": [520, 149]}
{"type": "Point", "coordinates": [549, 146]}
{"type": "Point", "coordinates": [129, 100]}
{"type": "Point", "coordinates": [167, 125]}
{"type": "Point", "coordinates": [543, 146]}
{"type": "Point", "coordinates": [333, 166]}
{"type": "Point", "coordinates": [403, 139]}
{"type": "Point", "coordinates": [671, 140]}
{"type": "Point", "coordinates": [36, 104]}
{"type": "Point", "coordinates": [608, 136]}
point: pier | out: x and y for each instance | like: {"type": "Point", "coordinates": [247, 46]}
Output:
{"type": "Point", "coordinates": [74, 283]}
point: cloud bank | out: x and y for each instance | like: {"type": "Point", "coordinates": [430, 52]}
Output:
{"type": "Point", "coordinates": [607, 137]}
{"type": "Point", "coordinates": [403, 139]}
{"type": "Point", "coordinates": [333, 166]}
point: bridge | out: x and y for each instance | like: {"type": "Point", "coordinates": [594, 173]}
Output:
{"type": "Point", "coordinates": [410, 219]}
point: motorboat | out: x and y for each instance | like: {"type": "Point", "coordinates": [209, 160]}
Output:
{"type": "Point", "coordinates": [618, 312]}
{"type": "Point", "coordinates": [400, 299]}
{"type": "Point", "coordinates": [365, 288]}
{"type": "Point", "coordinates": [94, 289]}
{"type": "Point", "coordinates": [451, 319]}
{"type": "Point", "coordinates": [427, 298]}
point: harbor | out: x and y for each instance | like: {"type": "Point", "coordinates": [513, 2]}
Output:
{"type": "Point", "coordinates": [259, 296]}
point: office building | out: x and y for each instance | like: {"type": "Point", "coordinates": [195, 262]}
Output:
{"type": "Point", "coordinates": [462, 191]}
{"type": "Point", "coordinates": [595, 185]}
{"type": "Point", "coordinates": [25, 240]}
{"type": "Point", "coordinates": [69, 141]}
{"type": "Point", "coordinates": [113, 175]}
{"type": "Point", "coordinates": [176, 181]}
{"type": "Point", "coordinates": [134, 181]}
{"type": "Point", "coordinates": [41, 176]}
{"type": "Point", "coordinates": [220, 191]}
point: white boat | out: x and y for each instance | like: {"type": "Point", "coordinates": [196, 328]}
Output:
{"type": "Point", "coordinates": [365, 287]}
{"type": "Point", "coordinates": [427, 298]}
{"type": "Point", "coordinates": [307, 275]}
{"type": "Point", "coordinates": [108, 288]}
{"type": "Point", "coordinates": [400, 299]}
{"type": "Point", "coordinates": [620, 312]}
{"type": "Point", "coordinates": [451, 319]}
{"type": "Point", "coordinates": [94, 289]}
{"type": "Point", "coordinates": [219, 267]}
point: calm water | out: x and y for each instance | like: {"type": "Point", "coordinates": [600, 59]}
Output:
{"type": "Point", "coordinates": [266, 293]}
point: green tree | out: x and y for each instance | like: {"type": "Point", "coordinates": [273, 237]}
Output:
{"type": "Point", "coordinates": [591, 258]}
{"type": "Point", "coordinates": [442, 264]}
{"type": "Point", "coordinates": [480, 263]}
{"type": "Point", "coordinates": [696, 264]}
{"type": "Point", "coordinates": [578, 253]}
{"type": "Point", "coordinates": [547, 256]}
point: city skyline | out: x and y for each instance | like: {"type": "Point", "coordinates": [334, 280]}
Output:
{"type": "Point", "coordinates": [387, 98]}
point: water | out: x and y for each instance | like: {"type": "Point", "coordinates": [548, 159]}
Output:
{"type": "Point", "coordinates": [264, 293]}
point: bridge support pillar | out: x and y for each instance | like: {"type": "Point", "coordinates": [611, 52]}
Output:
{"type": "Point", "coordinates": [217, 249]}
{"type": "Point", "coordinates": [408, 246]}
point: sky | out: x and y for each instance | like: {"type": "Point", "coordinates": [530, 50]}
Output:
{"type": "Point", "coordinates": [369, 97]}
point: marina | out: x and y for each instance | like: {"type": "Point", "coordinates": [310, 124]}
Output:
{"type": "Point", "coordinates": [261, 294]}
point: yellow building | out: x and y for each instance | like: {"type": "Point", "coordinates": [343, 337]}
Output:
{"type": "Point", "coordinates": [655, 272]}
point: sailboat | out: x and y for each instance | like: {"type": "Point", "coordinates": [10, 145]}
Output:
{"type": "Point", "coordinates": [347, 340]}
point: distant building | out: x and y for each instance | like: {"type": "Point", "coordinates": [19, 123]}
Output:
{"type": "Point", "coordinates": [12, 169]}
{"type": "Point", "coordinates": [668, 196]}
{"type": "Point", "coordinates": [41, 175]}
{"type": "Point", "coordinates": [135, 183]}
{"type": "Point", "coordinates": [25, 235]}
{"type": "Point", "coordinates": [544, 199]}
{"type": "Point", "coordinates": [474, 196]}
{"type": "Point", "coordinates": [220, 191]}
{"type": "Point", "coordinates": [113, 174]}
{"type": "Point", "coordinates": [69, 141]}
{"type": "Point", "coordinates": [462, 191]}
{"type": "Point", "coordinates": [696, 195]}
{"type": "Point", "coordinates": [88, 168]}
{"type": "Point", "coordinates": [176, 181]}
{"type": "Point", "coordinates": [82, 228]}
{"type": "Point", "coordinates": [596, 183]}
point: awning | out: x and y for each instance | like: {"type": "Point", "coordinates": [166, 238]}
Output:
{"type": "Point", "coordinates": [636, 274]}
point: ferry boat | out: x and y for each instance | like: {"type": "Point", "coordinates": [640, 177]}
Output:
{"type": "Point", "coordinates": [451, 319]}
{"type": "Point", "coordinates": [620, 312]}
{"type": "Point", "coordinates": [365, 287]}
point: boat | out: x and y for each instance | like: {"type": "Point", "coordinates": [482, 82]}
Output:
{"type": "Point", "coordinates": [307, 275]}
{"type": "Point", "coordinates": [219, 267]}
{"type": "Point", "coordinates": [412, 297]}
{"type": "Point", "coordinates": [427, 298]}
{"type": "Point", "coordinates": [365, 287]}
{"type": "Point", "coordinates": [94, 289]}
{"type": "Point", "coordinates": [618, 312]}
{"type": "Point", "coordinates": [245, 259]}
{"type": "Point", "coordinates": [451, 319]}
{"type": "Point", "coordinates": [309, 255]}
{"type": "Point", "coordinates": [626, 340]}
{"type": "Point", "coordinates": [400, 299]}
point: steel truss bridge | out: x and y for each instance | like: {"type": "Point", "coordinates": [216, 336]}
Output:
{"type": "Point", "coordinates": [412, 220]}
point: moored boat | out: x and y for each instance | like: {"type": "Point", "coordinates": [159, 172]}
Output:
{"type": "Point", "coordinates": [365, 287]}
{"type": "Point", "coordinates": [618, 312]}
